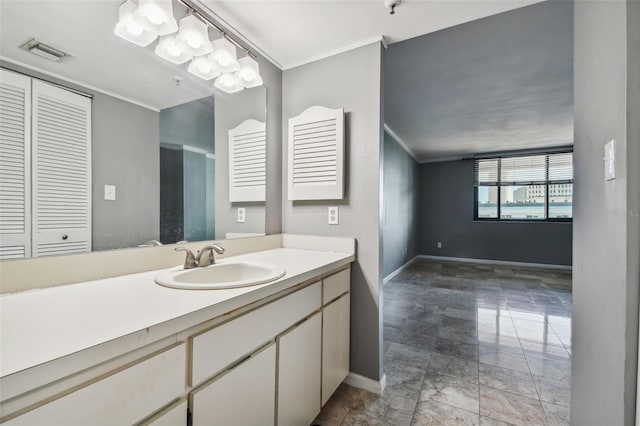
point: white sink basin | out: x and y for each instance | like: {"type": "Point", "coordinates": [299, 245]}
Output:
{"type": "Point", "coordinates": [221, 275]}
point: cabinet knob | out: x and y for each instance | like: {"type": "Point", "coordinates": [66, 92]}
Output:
{"type": "Point", "coordinates": [65, 236]}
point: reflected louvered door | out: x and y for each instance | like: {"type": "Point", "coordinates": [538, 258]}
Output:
{"type": "Point", "coordinates": [247, 162]}
{"type": "Point", "coordinates": [316, 155]}
{"type": "Point", "coordinates": [61, 171]}
{"type": "Point", "coordinates": [15, 166]}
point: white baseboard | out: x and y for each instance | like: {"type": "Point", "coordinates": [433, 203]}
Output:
{"type": "Point", "coordinates": [496, 262]}
{"type": "Point", "coordinates": [397, 271]}
{"type": "Point", "coordinates": [361, 382]}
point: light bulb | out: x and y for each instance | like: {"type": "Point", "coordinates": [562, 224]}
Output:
{"type": "Point", "coordinates": [173, 50]}
{"type": "Point", "coordinates": [248, 74]}
{"type": "Point", "coordinates": [227, 80]}
{"type": "Point", "coordinates": [194, 41]}
{"type": "Point", "coordinates": [134, 28]}
{"type": "Point", "coordinates": [224, 59]}
{"type": "Point", "coordinates": [155, 16]}
{"type": "Point", "coordinates": [204, 67]}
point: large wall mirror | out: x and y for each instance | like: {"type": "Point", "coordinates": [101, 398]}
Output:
{"type": "Point", "coordinates": [113, 146]}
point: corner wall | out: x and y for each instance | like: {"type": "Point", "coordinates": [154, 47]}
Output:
{"type": "Point", "coordinates": [400, 201]}
{"type": "Point", "coordinates": [605, 273]}
{"type": "Point", "coordinates": [350, 80]}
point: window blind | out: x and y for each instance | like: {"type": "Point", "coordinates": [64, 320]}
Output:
{"type": "Point", "coordinates": [524, 169]}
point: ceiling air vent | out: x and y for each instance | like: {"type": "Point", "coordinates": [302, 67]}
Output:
{"type": "Point", "coordinates": [44, 50]}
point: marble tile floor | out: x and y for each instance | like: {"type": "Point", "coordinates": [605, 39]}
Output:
{"type": "Point", "coordinates": [469, 344]}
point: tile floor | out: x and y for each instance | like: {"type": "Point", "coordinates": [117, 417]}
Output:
{"type": "Point", "coordinates": [469, 344]}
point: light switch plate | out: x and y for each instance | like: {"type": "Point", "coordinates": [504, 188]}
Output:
{"type": "Point", "coordinates": [110, 192]}
{"type": "Point", "coordinates": [333, 215]}
{"type": "Point", "coordinates": [241, 214]}
{"type": "Point", "coordinates": [610, 160]}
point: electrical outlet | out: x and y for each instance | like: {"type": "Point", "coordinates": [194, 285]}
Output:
{"type": "Point", "coordinates": [110, 192]}
{"type": "Point", "coordinates": [439, 244]}
{"type": "Point", "coordinates": [404, 251]}
{"type": "Point", "coordinates": [241, 214]}
{"type": "Point", "coordinates": [333, 215]}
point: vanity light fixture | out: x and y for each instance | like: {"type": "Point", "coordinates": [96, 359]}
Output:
{"type": "Point", "coordinates": [157, 16]}
{"type": "Point", "coordinates": [228, 83]}
{"type": "Point", "coordinates": [224, 55]}
{"type": "Point", "coordinates": [194, 36]}
{"type": "Point", "coordinates": [141, 24]}
{"type": "Point", "coordinates": [129, 28]}
{"type": "Point", "coordinates": [203, 67]}
{"type": "Point", "coordinates": [249, 73]}
{"type": "Point", "coordinates": [168, 48]}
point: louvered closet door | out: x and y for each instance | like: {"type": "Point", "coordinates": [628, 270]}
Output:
{"type": "Point", "coordinates": [15, 165]}
{"type": "Point", "coordinates": [61, 171]}
{"type": "Point", "coordinates": [247, 161]}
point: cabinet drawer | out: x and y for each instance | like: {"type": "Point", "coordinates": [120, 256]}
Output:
{"type": "Point", "coordinates": [125, 397]}
{"type": "Point", "coordinates": [217, 348]}
{"type": "Point", "coordinates": [336, 284]}
{"type": "Point", "coordinates": [244, 396]}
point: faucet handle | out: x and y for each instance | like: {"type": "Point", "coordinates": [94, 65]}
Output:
{"type": "Point", "coordinates": [204, 260]}
{"type": "Point", "coordinates": [190, 261]}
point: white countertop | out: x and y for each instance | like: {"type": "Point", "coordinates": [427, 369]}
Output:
{"type": "Point", "coordinates": [39, 326]}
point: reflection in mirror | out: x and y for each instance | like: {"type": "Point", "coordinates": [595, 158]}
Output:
{"type": "Point", "coordinates": [112, 146]}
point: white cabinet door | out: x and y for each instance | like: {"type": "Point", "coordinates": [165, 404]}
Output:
{"type": "Point", "coordinates": [335, 345]}
{"type": "Point", "coordinates": [61, 171]}
{"type": "Point", "coordinates": [15, 166]}
{"type": "Point", "coordinates": [299, 373]}
{"type": "Point", "coordinates": [125, 397]}
{"type": "Point", "coordinates": [215, 349]}
{"type": "Point", "coordinates": [244, 396]}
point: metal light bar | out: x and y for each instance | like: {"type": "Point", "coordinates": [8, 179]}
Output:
{"type": "Point", "coordinates": [195, 12]}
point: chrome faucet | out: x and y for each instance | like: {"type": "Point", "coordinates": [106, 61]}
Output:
{"type": "Point", "coordinates": [201, 259]}
{"type": "Point", "coordinates": [190, 261]}
{"type": "Point", "coordinates": [208, 260]}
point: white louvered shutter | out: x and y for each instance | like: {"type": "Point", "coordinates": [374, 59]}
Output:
{"type": "Point", "coordinates": [61, 171]}
{"type": "Point", "coordinates": [247, 161]}
{"type": "Point", "coordinates": [316, 154]}
{"type": "Point", "coordinates": [15, 166]}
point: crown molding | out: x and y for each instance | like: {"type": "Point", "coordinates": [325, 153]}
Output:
{"type": "Point", "coordinates": [377, 39]}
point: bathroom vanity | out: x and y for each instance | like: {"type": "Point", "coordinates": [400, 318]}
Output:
{"type": "Point", "coordinates": [126, 350]}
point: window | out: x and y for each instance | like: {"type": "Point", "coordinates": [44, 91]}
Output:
{"type": "Point", "coordinates": [536, 187]}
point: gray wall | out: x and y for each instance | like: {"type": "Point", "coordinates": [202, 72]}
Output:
{"type": "Point", "coordinates": [125, 153]}
{"type": "Point", "coordinates": [272, 77]}
{"type": "Point", "coordinates": [400, 201]}
{"type": "Point", "coordinates": [350, 80]}
{"type": "Point", "coordinates": [446, 215]}
{"type": "Point", "coordinates": [605, 263]}
{"type": "Point", "coordinates": [504, 82]}
{"type": "Point", "coordinates": [232, 110]}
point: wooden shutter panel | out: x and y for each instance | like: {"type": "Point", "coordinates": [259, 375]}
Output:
{"type": "Point", "coordinates": [15, 166]}
{"type": "Point", "coordinates": [316, 154]}
{"type": "Point", "coordinates": [247, 161]}
{"type": "Point", "coordinates": [61, 171]}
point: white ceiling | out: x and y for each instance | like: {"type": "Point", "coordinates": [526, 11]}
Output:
{"type": "Point", "coordinates": [100, 60]}
{"type": "Point", "coordinates": [294, 32]}
{"type": "Point", "coordinates": [503, 83]}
